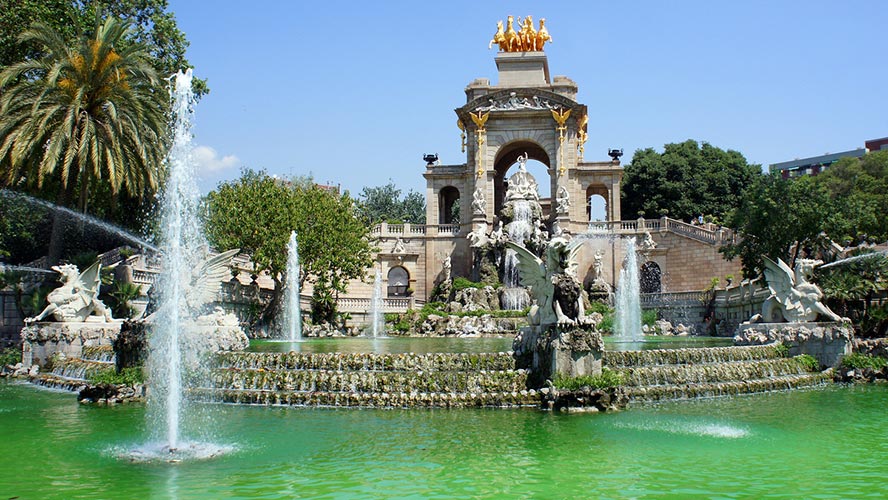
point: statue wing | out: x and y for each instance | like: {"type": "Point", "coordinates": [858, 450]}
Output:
{"type": "Point", "coordinates": [779, 277]}
{"type": "Point", "coordinates": [209, 278]}
{"type": "Point", "coordinates": [573, 251]}
{"type": "Point", "coordinates": [530, 267]}
{"type": "Point", "coordinates": [89, 282]}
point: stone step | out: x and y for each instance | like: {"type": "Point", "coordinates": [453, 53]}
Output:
{"type": "Point", "coordinates": [706, 390]}
{"type": "Point", "coordinates": [58, 382]}
{"type": "Point", "coordinates": [377, 399]}
{"type": "Point", "coordinates": [367, 361]}
{"type": "Point", "coordinates": [709, 373]}
{"type": "Point", "coordinates": [371, 381]}
{"type": "Point", "coordinates": [76, 368]}
{"type": "Point", "coordinates": [689, 356]}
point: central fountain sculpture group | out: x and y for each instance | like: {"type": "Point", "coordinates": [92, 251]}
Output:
{"type": "Point", "coordinates": [538, 271]}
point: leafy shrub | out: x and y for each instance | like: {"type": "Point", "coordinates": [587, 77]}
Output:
{"type": "Point", "coordinates": [649, 317]}
{"type": "Point", "coordinates": [10, 356]}
{"type": "Point", "coordinates": [121, 295]}
{"type": "Point", "coordinates": [607, 323]}
{"type": "Point", "coordinates": [608, 378]}
{"type": "Point", "coordinates": [809, 362]}
{"type": "Point", "coordinates": [127, 376]}
{"type": "Point", "coordinates": [600, 308]}
{"type": "Point", "coordinates": [461, 283]}
{"type": "Point", "coordinates": [782, 350]}
{"type": "Point", "coordinates": [859, 361]}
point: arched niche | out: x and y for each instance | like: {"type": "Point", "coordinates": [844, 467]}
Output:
{"type": "Point", "coordinates": [650, 278]}
{"type": "Point", "coordinates": [398, 282]}
{"type": "Point", "coordinates": [506, 157]}
{"type": "Point", "coordinates": [448, 205]}
{"type": "Point", "coordinates": [596, 203]}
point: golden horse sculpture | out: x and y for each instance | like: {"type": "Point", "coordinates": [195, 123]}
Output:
{"type": "Point", "coordinates": [527, 39]}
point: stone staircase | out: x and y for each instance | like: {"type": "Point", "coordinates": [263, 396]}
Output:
{"type": "Point", "coordinates": [371, 380]}
{"type": "Point", "coordinates": [669, 374]}
{"type": "Point", "coordinates": [72, 374]}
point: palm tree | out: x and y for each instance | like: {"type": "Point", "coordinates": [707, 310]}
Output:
{"type": "Point", "coordinates": [85, 112]}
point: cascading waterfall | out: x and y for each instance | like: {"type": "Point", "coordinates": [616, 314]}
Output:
{"type": "Point", "coordinates": [627, 320]}
{"type": "Point", "coordinates": [377, 320]}
{"type": "Point", "coordinates": [293, 311]}
{"type": "Point", "coordinates": [514, 296]}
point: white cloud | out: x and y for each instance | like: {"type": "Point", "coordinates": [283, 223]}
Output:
{"type": "Point", "coordinates": [208, 160]}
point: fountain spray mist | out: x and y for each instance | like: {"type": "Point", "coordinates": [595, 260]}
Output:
{"type": "Point", "coordinates": [627, 324]}
{"type": "Point", "coordinates": [293, 311]}
{"type": "Point", "coordinates": [377, 320]}
{"type": "Point", "coordinates": [182, 239]}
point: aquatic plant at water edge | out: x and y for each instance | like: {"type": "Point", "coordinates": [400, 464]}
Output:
{"type": "Point", "coordinates": [809, 362]}
{"type": "Point", "coordinates": [127, 376]}
{"type": "Point", "coordinates": [859, 361]}
{"type": "Point", "coordinates": [10, 356]}
{"type": "Point", "coordinates": [608, 378]}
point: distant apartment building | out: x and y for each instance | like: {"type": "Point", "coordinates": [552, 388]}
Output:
{"type": "Point", "coordinates": [816, 164]}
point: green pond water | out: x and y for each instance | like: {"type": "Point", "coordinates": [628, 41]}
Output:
{"type": "Point", "coordinates": [824, 443]}
{"type": "Point", "coordinates": [422, 345]}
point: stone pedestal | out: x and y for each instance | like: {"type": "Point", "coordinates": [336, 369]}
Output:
{"type": "Point", "coordinates": [522, 69]}
{"type": "Point", "coordinates": [827, 342]}
{"type": "Point", "coordinates": [572, 352]}
{"type": "Point", "coordinates": [41, 340]}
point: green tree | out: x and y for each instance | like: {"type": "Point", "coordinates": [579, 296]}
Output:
{"type": "Point", "coordinates": [385, 204]}
{"type": "Point", "coordinates": [686, 180]}
{"type": "Point", "coordinates": [82, 113]}
{"type": "Point", "coordinates": [774, 215]}
{"type": "Point", "coordinates": [153, 27]}
{"type": "Point", "coordinates": [859, 191]}
{"type": "Point", "coordinates": [256, 213]}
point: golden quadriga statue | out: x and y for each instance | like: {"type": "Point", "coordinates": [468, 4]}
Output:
{"type": "Point", "coordinates": [527, 39]}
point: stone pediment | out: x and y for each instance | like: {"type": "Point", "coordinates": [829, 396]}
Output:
{"type": "Point", "coordinates": [518, 99]}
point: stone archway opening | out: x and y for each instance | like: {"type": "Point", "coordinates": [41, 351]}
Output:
{"type": "Point", "coordinates": [650, 278]}
{"type": "Point", "coordinates": [596, 203]}
{"type": "Point", "coordinates": [448, 205]}
{"type": "Point", "coordinates": [398, 282]}
{"type": "Point", "coordinates": [507, 157]}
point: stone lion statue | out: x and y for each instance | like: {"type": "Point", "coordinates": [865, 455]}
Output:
{"type": "Point", "coordinates": [793, 298]}
{"type": "Point", "coordinates": [77, 298]}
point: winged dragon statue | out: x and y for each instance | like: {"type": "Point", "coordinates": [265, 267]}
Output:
{"type": "Point", "coordinates": [793, 298]}
{"type": "Point", "coordinates": [553, 283]}
{"type": "Point", "coordinates": [203, 287]}
{"type": "Point", "coordinates": [77, 298]}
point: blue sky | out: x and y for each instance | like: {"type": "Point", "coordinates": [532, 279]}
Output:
{"type": "Point", "coordinates": [356, 92]}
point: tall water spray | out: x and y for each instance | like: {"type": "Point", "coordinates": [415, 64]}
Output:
{"type": "Point", "coordinates": [627, 321]}
{"type": "Point", "coordinates": [293, 311]}
{"type": "Point", "coordinates": [182, 238]}
{"type": "Point", "coordinates": [377, 320]}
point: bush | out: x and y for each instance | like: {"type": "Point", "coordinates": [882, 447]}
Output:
{"type": "Point", "coordinates": [608, 378]}
{"type": "Point", "coordinates": [10, 356]}
{"type": "Point", "coordinates": [607, 323]}
{"type": "Point", "coordinates": [859, 361]}
{"type": "Point", "coordinates": [809, 362]}
{"type": "Point", "coordinates": [649, 317]}
{"type": "Point", "coordinates": [121, 295]}
{"type": "Point", "coordinates": [461, 283]}
{"type": "Point", "coordinates": [782, 350]}
{"type": "Point", "coordinates": [128, 376]}
{"type": "Point", "coordinates": [600, 308]}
